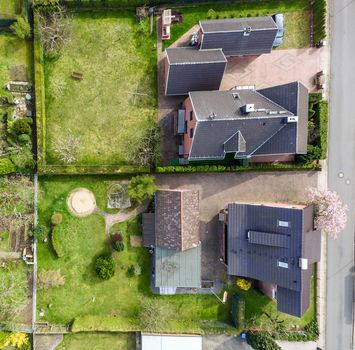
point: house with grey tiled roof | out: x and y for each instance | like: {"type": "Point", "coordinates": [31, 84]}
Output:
{"type": "Point", "coordinates": [275, 245]}
{"type": "Point", "coordinates": [264, 125]}
{"type": "Point", "coordinates": [188, 69]}
{"type": "Point", "coordinates": [238, 36]}
{"type": "Point", "coordinates": [172, 231]}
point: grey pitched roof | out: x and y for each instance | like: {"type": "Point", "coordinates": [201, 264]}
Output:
{"type": "Point", "coordinates": [220, 119]}
{"type": "Point", "coordinates": [191, 70]}
{"type": "Point", "coordinates": [294, 97]}
{"type": "Point", "coordinates": [177, 219]}
{"type": "Point", "coordinates": [178, 269]}
{"type": "Point", "coordinates": [188, 55]}
{"type": "Point", "coordinates": [148, 229]}
{"type": "Point", "coordinates": [229, 34]}
{"type": "Point", "coordinates": [257, 243]}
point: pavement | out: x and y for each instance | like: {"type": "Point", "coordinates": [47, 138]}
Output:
{"type": "Point", "coordinates": [224, 342]}
{"type": "Point", "coordinates": [341, 158]}
{"type": "Point", "coordinates": [288, 345]}
{"type": "Point", "coordinates": [278, 67]}
{"type": "Point", "coordinates": [216, 190]}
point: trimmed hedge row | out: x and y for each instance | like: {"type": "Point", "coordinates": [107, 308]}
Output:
{"type": "Point", "coordinates": [44, 169]}
{"type": "Point", "coordinates": [56, 242]}
{"type": "Point", "coordinates": [262, 341]}
{"type": "Point", "coordinates": [319, 20]}
{"type": "Point", "coordinates": [6, 166]}
{"type": "Point", "coordinates": [238, 312]}
{"type": "Point", "coordinates": [237, 168]}
{"type": "Point", "coordinates": [323, 127]}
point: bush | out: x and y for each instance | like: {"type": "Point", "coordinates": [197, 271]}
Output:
{"type": "Point", "coordinates": [243, 284]}
{"type": "Point", "coordinates": [22, 126]}
{"type": "Point", "coordinates": [313, 153]}
{"type": "Point", "coordinates": [56, 242]}
{"type": "Point", "coordinates": [312, 329]}
{"type": "Point", "coordinates": [118, 246]}
{"type": "Point", "coordinates": [40, 232]}
{"type": "Point", "coordinates": [319, 20]}
{"type": "Point", "coordinates": [135, 270]}
{"type": "Point", "coordinates": [50, 279]}
{"type": "Point", "coordinates": [211, 14]}
{"type": "Point", "coordinates": [23, 139]}
{"type": "Point", "coordinates": [262, 341]}
{"type": "Point", "coordinates": [105, 267]}
{"type": "Point", "coordinates": [117, 237]}
{"type": "Point", "coordinates": [56, 219]}
{"type": "Point", "coordinates": [23, 160]}
{"type": "Point", "coordinates": [141, 187]}
{"type": "Point", "coordinates": [21, 28]}
{"type": "Point", "coordinates": [238, 312]}
{"type": "Point", "coordinates": [6, 166]}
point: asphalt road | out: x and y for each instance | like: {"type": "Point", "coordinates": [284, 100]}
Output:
{"type": "Point", "coordinates": [340, 282]}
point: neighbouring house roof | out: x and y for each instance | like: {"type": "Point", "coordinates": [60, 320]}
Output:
{"type": "Point", "coordinates": [294, 97]}
{"type": "Point", "coordinates": [177, 219]}
{"type": "Point", "coordinates": [175, 268]}
{"type": "Point", "coordinates": [266, 242]}
{"type": "Point", "coordinates": [171, 342]}
{"type": "Point", "coordinates": [190, 69]}
{"type": "Point", "coordinates": [223, 127]}
{"type": "Point", "coordinates": [239, 36]}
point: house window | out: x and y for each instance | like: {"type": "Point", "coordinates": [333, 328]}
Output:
{"type": "Point", "coordinates": [274, 293]}
{"type": "Point", "coordinates": [191, 115]}
{"type": "Point", "coordinates": [282, 264]}
{"type": "Point", "coordinates": [283, 223]}
{"type": "Point", "coordinates": [185, 127]}
{"type": "Point", "coordinates": [191, 133]}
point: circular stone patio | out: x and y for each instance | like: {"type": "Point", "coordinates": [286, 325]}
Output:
{"type": "Point", "coordinates": [81, 202]}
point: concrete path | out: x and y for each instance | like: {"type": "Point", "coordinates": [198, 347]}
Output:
{"type": "Point", "coordinates": [288, 345]}
{"type": "Point", "coordinates": [340, 267]}
{"type": "Point", "coordinates": [224, 342]}
{"type": "Point", "coordinates": [278, 67]}
{"type": "Point", "coordinates": [10, 255]}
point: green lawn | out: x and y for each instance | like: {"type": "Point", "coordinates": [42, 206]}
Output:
{"type": "Point", "coordinates": [296, 18]}
{"type": "Point", "coordinates": [100, 341]}
{"type": "Point", "coordinates": [114, 105]}
{"type": "Point", "coordinates": [114, 305]}
{"type": "Point", "coordinates": [4, 241]}
{"type": "Point", "coordinates": [9, 8]}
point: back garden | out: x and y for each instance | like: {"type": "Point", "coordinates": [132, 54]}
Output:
{"type": "Point", "coordinates": [125, 302]}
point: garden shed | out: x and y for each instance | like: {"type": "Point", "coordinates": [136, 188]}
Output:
{"type": "Point", "coordinates": [171, 342]}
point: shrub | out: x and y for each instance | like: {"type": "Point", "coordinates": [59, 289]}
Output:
{"type": "Point", "coordinates": [262, 341]}
{"type": "Point", "coordinates": [56, 218]}
{"type": "Point", "coordinates": [238, 311]}
{"type": "Point", "coordinates": [313, 153]}
{"type": "Point", "coordinates": [40, 232]}
{"type": "Point", "coordinates": [135, 270]}
{"type": "Point", "coordinates": [22, 126]}
{"type": "Point", "coordinates": [50, 279]}
{"type": "Point", "coordinates": [18, 340]}
{"type": "Point", "coordinates": [319, 20]}
{"type": "Point", "coordinates": [243, 284]}
{"type": "Point", "coordinates": [6, 166]}
{"type": "Point", "coordinates": [24, 139]}
{"type": "Point", "coordinates": [21, 28]}
{"type": "Point", "coordinates": [116, 237]}
{"type": "Point", "coordinates": [141, 188]}
{"type": "Point", "coordinates": [105, 267]}
{"type": "Point", "coordinates": [312, 329]}
{"type": "Point", "coordinates": [118, 246]}
{"type": "Point", "coordinates": [56, 242]}
{"type": "Point", "coordinates": [211, 14]}
{"type": "Point", "coordinates": [23, 160]}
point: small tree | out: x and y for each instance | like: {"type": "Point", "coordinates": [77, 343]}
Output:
{"type": "Point", "coordinates": [22, 126]}
{"type": "Point", "coordinates": [68, 148]}
{"type": "Point", "coordinates": [40, 232]}
{"type": "Point", "coordinates": [105, 267]}
{"type": "Point", "coordinates": [135, 270]}
{"type": "Point", "coordinates": [6, 166]}
{"type": "Point", "coordinates": [330, 211]}
{"type": "Point", "coordinates": [56, 218]}
{"type": "Point", "coordinates": [141, 188]}
{"type": "Point", "coordinates": [21, 28]}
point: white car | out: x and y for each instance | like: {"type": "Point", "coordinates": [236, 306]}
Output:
{"type": "Point", "coordinates": [279, 20]}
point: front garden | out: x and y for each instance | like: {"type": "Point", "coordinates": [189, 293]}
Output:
{"type": "Point", "coordinates": [124, 302]}
{"type": "Point", "coordinates": [98, 97]}
{"type": "Point", "coordinates": [296, 18]}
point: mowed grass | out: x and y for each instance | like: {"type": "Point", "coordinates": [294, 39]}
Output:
{"type": "Point", "coordinates": [98, 341]}
{"type": "Point", "coordinates": [296, 18]}
{"type": "Point", "coordinates": [9, 8]}
{"type": "Point", "coordinates": [114, 105]}
{"type": "Point", "coordinates": [106, 305]}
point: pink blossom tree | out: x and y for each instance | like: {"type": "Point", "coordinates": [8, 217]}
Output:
{"type": "Point", "coordinates": [330, 211]}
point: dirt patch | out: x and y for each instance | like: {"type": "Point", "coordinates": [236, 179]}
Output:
{"type": "Point", "coordinates": [81, 202]}
{"type": "Point", "coordinates": [136, 241]}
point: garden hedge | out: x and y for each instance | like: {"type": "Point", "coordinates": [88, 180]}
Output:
{"type": "Point", "coordinates": [238, 312]}
{"type": "Point", "coordinates": [6, 166]}
{"type": "Point", "coordinates": [262, 341]}
{"type": "Point", "coordinates": [56, 242]}
{"type": "Point", "coordinates": [323, 127]}
{"type": "Point", "coordinates": [319, 20]}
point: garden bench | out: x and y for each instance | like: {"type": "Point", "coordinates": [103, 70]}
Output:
{"type": "Point", "coordinates": [77, 75]}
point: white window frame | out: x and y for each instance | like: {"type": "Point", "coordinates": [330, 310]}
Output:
{"type": "Point", "coordinates": [283, 223]}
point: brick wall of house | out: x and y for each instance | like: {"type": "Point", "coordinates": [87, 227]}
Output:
{"type": "Point", "coordinates": [191, 124]}
{"type": "Point", "coordinates": [166, 69]}
{"type": "Point", "coordinates": [199, 36]}
{"type": "Point", "coordinates": [273, 158]}
{"type": "Point", "coordinates": [267, 288]}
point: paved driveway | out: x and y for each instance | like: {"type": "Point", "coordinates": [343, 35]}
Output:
{"type": "Point", "coordinates": [278, 67]}
{"type": "Point", "coordinates": [224, 342]}
{"type": "Point", "coordinates": [288, 345]}
{"type": "Point", "coordinates": [219, 189]}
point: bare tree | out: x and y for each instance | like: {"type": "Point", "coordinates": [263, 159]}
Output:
{"type": "Point", "coordinates": [53, 28]}
{"type": "Point", "coordinates": [146, 155]}
{"type": "Point", "coordinates": [67, 148]}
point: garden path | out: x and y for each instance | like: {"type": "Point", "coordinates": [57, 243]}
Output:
{"type": "Point", "coordinates": [11, 255]}
{"type": "Point", "coordinates": [111, 219]}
